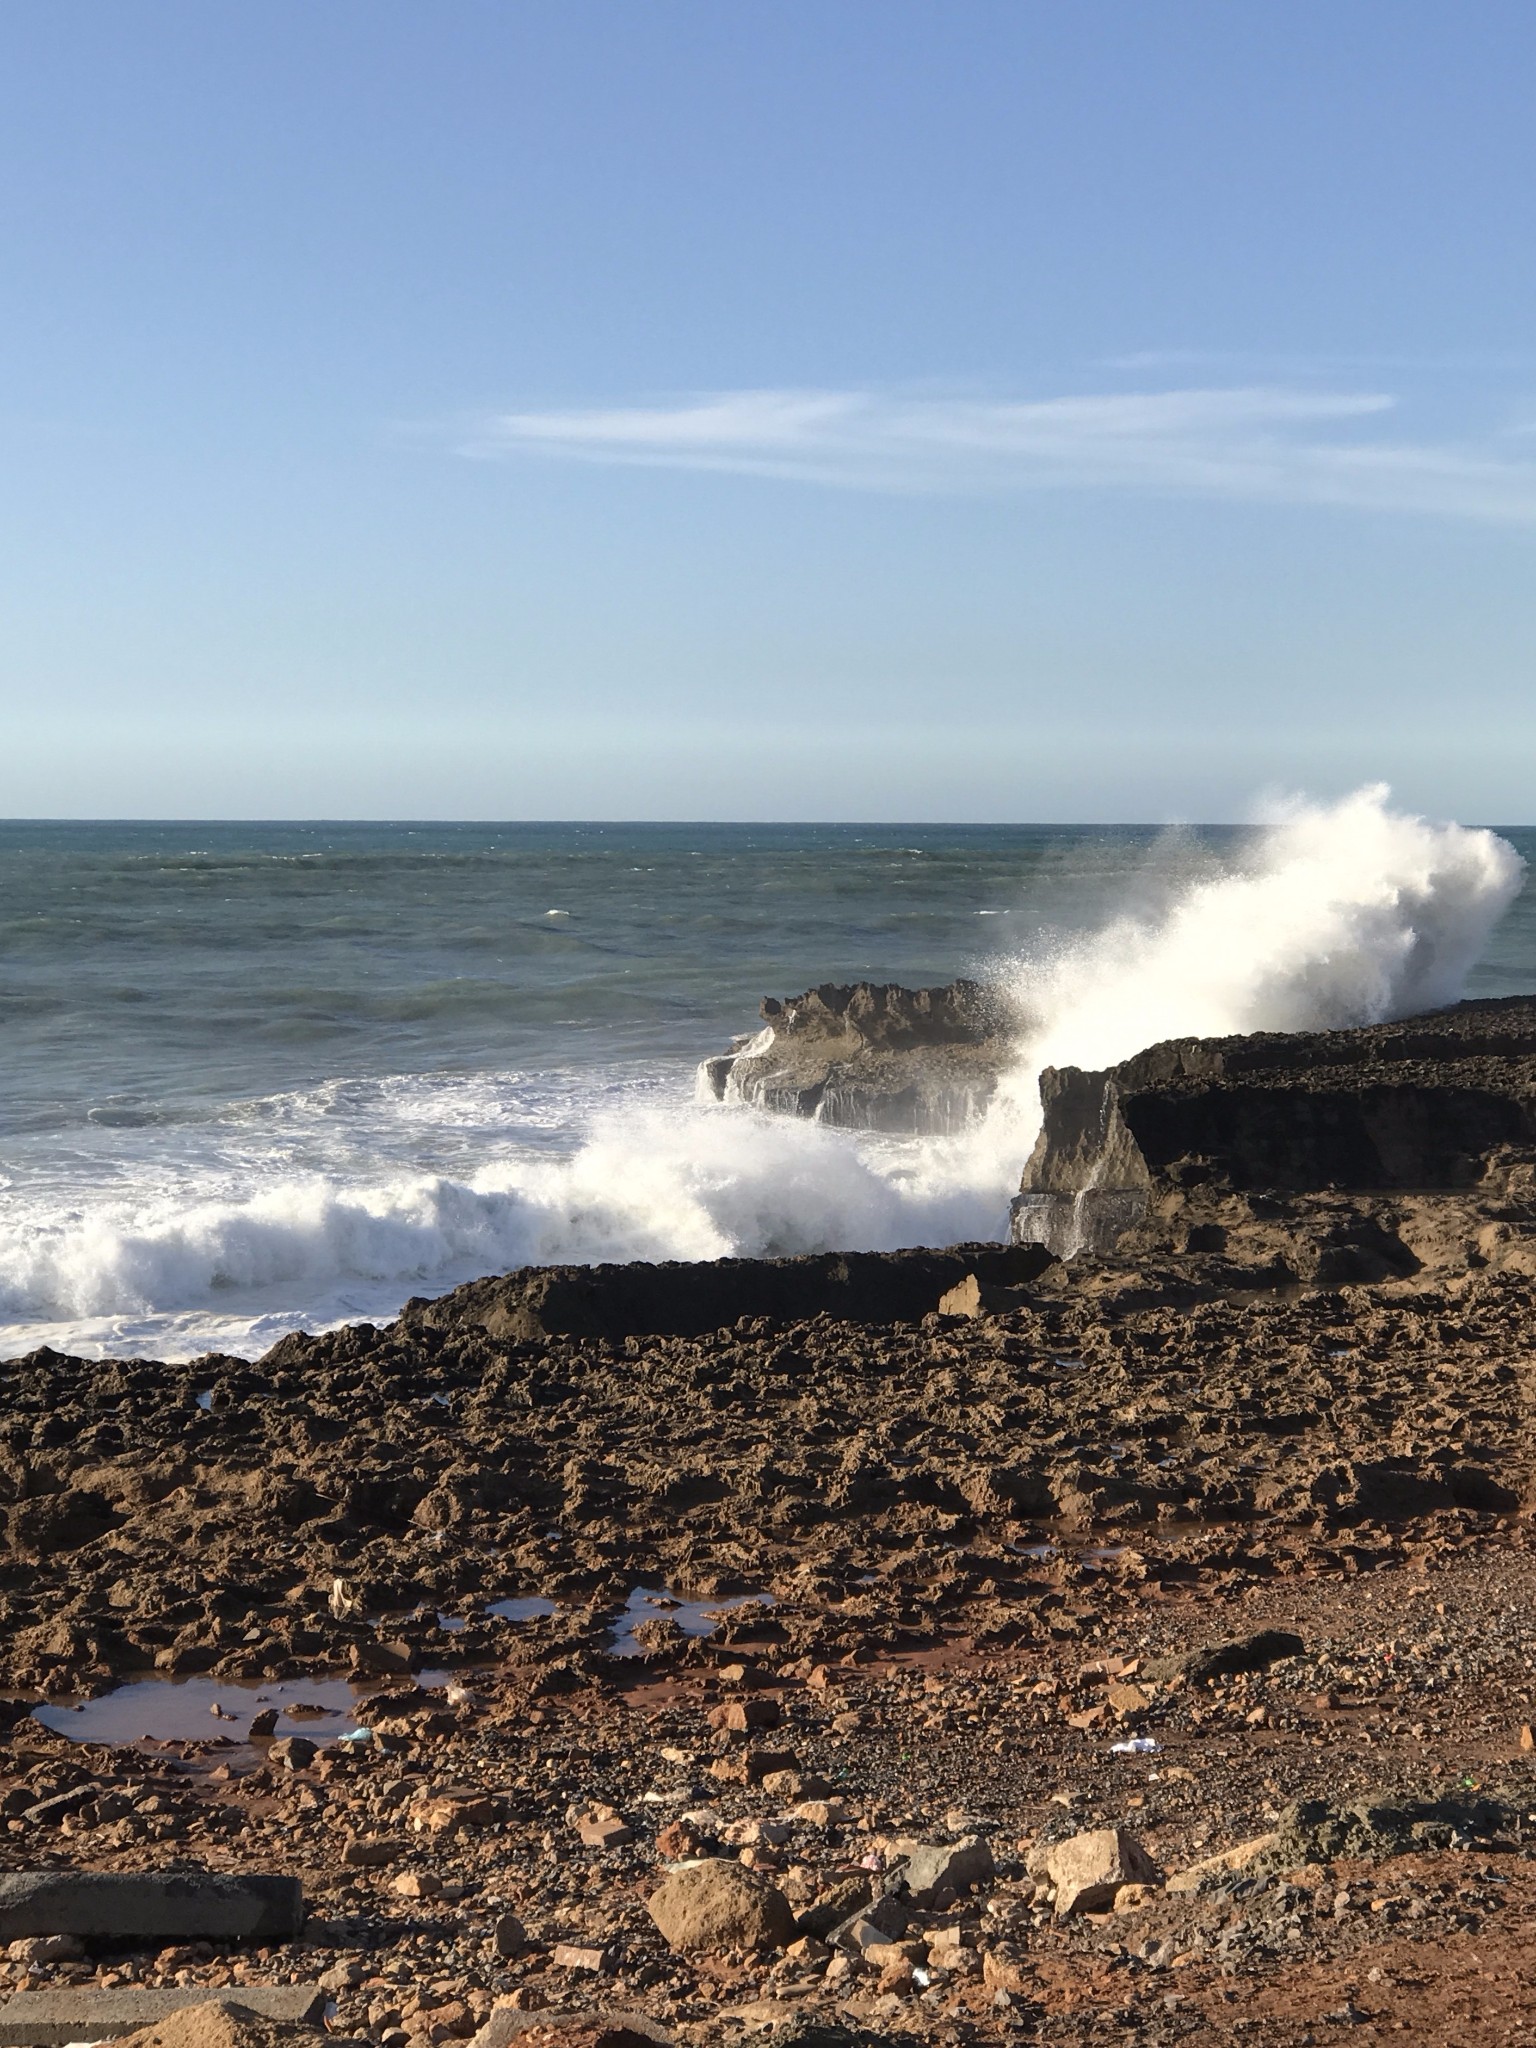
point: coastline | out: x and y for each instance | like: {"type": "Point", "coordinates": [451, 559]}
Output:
{"type": "Point", "coordinates": [794, 1590]}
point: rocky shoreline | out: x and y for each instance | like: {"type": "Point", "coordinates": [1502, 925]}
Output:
{"type": "Point", "coordinates": [967, 1646]}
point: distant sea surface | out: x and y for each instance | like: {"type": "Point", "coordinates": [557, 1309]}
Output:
{"type": "Point", "coordinates": [263, 1076]}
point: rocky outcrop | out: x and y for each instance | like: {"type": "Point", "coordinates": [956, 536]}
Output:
{"type": "Point", "coordinates": [871, 1056]}
{"type": "Point", "coordinates": [1428, 1104]}
{"type": "Point", "coordinates": [688, 1300]}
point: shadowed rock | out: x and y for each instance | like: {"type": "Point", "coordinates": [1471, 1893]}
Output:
{"type": "Point", "coordinates": [687, 1300]}
{"type": "Point", "coordinates": [1425, 1104]}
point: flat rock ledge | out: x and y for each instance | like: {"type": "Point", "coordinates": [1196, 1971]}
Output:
{"type": "Point", "coordinates": [52, 2018]}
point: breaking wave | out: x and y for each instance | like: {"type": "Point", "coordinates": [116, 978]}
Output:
{"type": "Point", "coordinates": [1332, 914]}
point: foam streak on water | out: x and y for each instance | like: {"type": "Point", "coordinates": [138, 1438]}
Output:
{"type": "Point", "coordinates": [283, 1097]}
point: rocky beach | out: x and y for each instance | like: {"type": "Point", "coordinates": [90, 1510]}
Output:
{"type": "Point", "coordinates": [1120, 1634]}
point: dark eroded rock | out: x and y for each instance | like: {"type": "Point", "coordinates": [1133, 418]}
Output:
{"type": "Point", "coordinates": [155, 1906]}
{"type": "Point", "coordinates": [873, 1056]}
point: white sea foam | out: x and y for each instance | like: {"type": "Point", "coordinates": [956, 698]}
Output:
{"type": "Point", "coordinates": [1334, 914]}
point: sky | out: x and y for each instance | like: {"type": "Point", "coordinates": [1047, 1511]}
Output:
{"type": "Point", "coordinates": [660, 409]}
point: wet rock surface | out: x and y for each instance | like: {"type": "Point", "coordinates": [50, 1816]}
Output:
{"type": "Point", "coordinates": [1441, 1102]}
{"type": "Point", "coordinates": [873, 1056]}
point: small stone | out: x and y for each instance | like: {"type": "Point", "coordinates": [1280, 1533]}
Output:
{"type": "Point", "coordinates": [47, 1948]}
{"type": "Point", "coordinates": [360, 1852]}
{"type": "Point", "coordinates": [293, 1752]}
{"type": "Point", "coordinates": [741, 1717]}
{"type": "Point", "coordinates": [679, 1840]}
{"type": "Point", "coordinates": [264, 1723]}
{"type": "Point", "coordinates": [808, 1949]}
{"type": "Point", "coordinates": [510, 1936]}
{"type": "Point", "coordinates": [822, 1813]}
{"type": "Point", "coordinates": [418, 1884]}
{"type": "Point", "coordinates": [596, 1962]}
{"type": "Point", "coordinates": [605, 1834]}
{"type": "Point", "coordinates": [1527, 1736]}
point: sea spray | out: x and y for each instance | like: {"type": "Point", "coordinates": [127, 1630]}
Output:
{"type": "Point", "coordinates": [1329, 915]}
{"type": "Point", "coordinates": [1334, 914]}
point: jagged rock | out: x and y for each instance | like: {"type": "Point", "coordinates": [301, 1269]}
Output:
{"type": "Point", "coordinates": [1088, 1869]}
{"type": "Point", "coordinates": [719, 1905]}
{"type": "Point", "coordinates": [974, 1297]}
{"type": "Point", "coordinates": [872, 1056]}
{"type": "Point", "coordinates": [1381, 1824]}
{"type": "Point", "coordinates": [1426, 1103]}
{"type": "Point", "coordinates": [933, 1867]}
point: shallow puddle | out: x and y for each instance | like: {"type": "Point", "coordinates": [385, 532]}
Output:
{"type": "Point", "coordinates": [522, 1610]}
{"type": "Point", "coordinates": [1104, 1555]}
{"type": "Point", "coordinates": [182, 1710]}
{"type": "Point", "coordinates": [693, 1617]}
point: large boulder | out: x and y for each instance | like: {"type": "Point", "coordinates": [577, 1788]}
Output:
{"type": "Point", "coordinates": [932, 1868]}
{"type": "Point", "coordinates": [1088, 1869]}
{"type": "Point", "coordinates": [719, 1905]}
{"type": "Point", "coordinates": [873, 1056]}
{"type": "Point", "coordinates": [1428, 1103]}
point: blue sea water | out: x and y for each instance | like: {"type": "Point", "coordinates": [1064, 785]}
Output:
{"type": "Point", "coordinates": [264, 1076]}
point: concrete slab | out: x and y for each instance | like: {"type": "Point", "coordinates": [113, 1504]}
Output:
{"type": "Point", "coordinates": [51, 2019]}
{"type": "Point", "coordinates": [154, 1906]}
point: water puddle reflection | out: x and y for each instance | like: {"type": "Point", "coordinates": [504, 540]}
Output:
{"type": "Point", "coordinates": [693, 1617]}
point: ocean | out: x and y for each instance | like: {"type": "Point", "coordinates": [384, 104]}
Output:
{"type": "Point", "coordinates": [262, 1077]}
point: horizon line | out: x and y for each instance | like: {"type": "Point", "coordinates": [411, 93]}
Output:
{"type": "Point", "coordinates": [916, 824]}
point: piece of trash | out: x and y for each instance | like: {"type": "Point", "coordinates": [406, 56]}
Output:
{"type": "Point", "coordinates": [873, 1861]}
{"type": "Point", "coordinates": [1138, 1745]}
{"type": "Point", "coordinates": [346, 1603]}
{"type": "Point", "coordinates": [920, 1977]}
{"type": "Point", "coordinates": [356, 1735]}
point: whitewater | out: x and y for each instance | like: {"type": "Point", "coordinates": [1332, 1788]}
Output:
{"type": "Point", "coordinates": [152, 1205]}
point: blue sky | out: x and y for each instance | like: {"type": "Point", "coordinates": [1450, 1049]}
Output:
{"type": "Point", "coordinates": [766, 410]}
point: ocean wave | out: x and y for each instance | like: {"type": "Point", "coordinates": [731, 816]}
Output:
{"type": "Point", "coordinates": [1333, 914]}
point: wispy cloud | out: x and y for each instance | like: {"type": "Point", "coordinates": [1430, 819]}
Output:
{"type": "Point", "coordinates": [1261, 442]}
